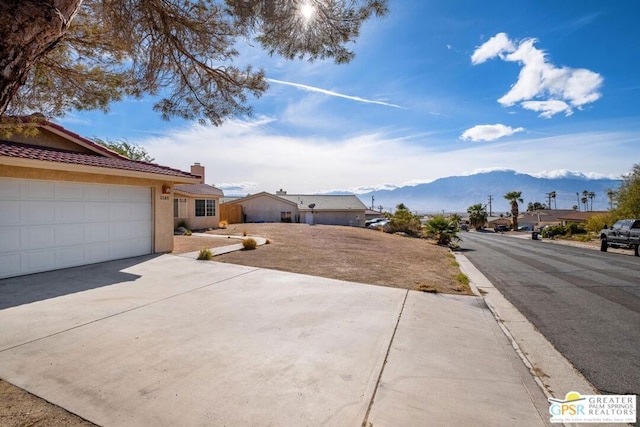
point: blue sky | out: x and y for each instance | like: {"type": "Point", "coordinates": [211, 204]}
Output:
{"type": "Point", "coordinates": [437, 88]}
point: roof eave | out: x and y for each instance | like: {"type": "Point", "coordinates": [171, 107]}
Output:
{"type": "Point", "coordinates": [98, 170]}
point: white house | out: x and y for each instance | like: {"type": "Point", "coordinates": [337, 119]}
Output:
{"type": "Point", "coordinates": [303, 208]}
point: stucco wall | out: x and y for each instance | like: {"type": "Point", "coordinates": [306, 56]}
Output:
{"type": "Point", "coordinates": [162, 204]}
{"type": "Point", "coordinates": [267, 209]}
{"type": "Point", "coordinates": [198, 222]}
{"type": "Point", "coordinates": [351, 218]}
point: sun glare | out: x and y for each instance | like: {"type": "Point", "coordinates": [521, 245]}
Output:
{"type": "Point", "coordinates": [306, 10]}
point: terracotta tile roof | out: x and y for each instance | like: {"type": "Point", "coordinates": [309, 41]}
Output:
{"type": "Point", "coordinates": [36, 152]}
{"type": "Point", "coordinates": [198, 189]}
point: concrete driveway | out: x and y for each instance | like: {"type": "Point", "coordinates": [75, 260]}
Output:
{"type": "Point", "coordinates": [168, 340]}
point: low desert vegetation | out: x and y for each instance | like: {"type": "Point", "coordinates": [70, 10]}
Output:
{"type": "Point", "coordinates": [443, 230]}
{"type": "Point", "coordinates": [249, 243]}
{"type": "Point", "coordinates": [205, 255]}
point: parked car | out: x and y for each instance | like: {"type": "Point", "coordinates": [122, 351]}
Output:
{"type": "Point", "coordinates": [500, 228]}
{"type": "Point", "coordinates": [378, 224]}
{"type": "Point", "coordinates": [623, 234]}
{"type": "Point", "coordinates": [368, 222]}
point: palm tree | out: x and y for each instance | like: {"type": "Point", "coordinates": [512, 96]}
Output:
{"type": "Point", "coordinates": [514, 197]}
{"type": "Point", "coordinates": [455, 218]}
{"type": "Point", "coordinates": [442, 229]}
{"type": "Point", "coordinates": [553, 196]}
{"type": "Point", "coordinates": [477, 215]}
{"type": "Point", "coordinates": [584, 201]}
{"type": "Point", "coordinates": [591, 196]}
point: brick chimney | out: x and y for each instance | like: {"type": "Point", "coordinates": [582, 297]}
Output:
{"type": "Point", "coordinates": [196, 169]}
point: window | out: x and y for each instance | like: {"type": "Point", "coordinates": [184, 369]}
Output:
{"type": "Point", "coordinates": [205, 207]}
{"type": "Point", "coordinates": [285, 216]}
{"type": "Point", "coordinates": [179, 208]}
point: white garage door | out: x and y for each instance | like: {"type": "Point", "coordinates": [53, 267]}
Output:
{"type": "Point", "coordinates": [48, 225]}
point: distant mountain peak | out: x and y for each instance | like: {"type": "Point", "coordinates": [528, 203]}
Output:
{"type": "Point", "coordinates": [457, 193]}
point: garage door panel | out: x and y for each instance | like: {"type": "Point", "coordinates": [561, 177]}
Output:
{"type": "Point", "coordinates": [140, 211]}
{"type": "Point", "coordinates": [119, 212]}
{"type": "Point", "coordinates": [35, 212]}
{"type": "Point", "coordinates": [121, 194]}
{"type": "Point", "coordinates": [9, 239]}
{"type": "Point", "coordinates": [69, 235]}
{"type": "Point", "coordinates": [10, 264]}
{"type": "Point", "coordinates": [120, 231]}
{"type": "Point", "coordinates": [9, 212]}
{"type": "Point", "coordinates": [69, 212]}
{"type": "Point", "coordinates": [9, 189]}
{"type": "Point", "coordinates": [37, 237]}
{"type": "Point", "coordinates": [97, 252]}
{"type": "Point", "coordinates": [69, 191]}
{"type": "Point", "coordinates": [38, 190]}
{"type": "Point", "coordinates": [98, 232]}
{"type": "Point", "coordinates": [141, 230]}
{"type": "Point", "coordinates": [41, 260]}
{"type": "Point", "coordinates": [98, 193]}
{"type": "Point", "coordinates": [96, 212]}
{"type": "Point", "coordinates": [139, 246]}
{"type": "Point", "coordinates": [46, 225]}
{"type": "Point", "coordinates": [70, 256]}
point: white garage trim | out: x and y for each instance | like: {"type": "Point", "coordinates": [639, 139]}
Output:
{"type": "Point", "coordinates": [46, 225]}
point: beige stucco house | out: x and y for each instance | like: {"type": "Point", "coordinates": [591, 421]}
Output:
{"type": "Point", "coordinates": [197, 205]}
{"type": "Point", "coordinates": [303, 208]}
{"type": "Point", "coordinates": [67, 201]}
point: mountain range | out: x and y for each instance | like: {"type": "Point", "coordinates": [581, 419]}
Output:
{"type": "Point", "coordinates": [457, 193]}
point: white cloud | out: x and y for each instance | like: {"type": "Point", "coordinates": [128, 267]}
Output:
{"type": "Point", "coordinates": [548, 108]}
{"type": "Point", "coordinates": [236, 188]}
{"type": "Point", "coordinates": [565, 173]}
{"type": "Point", "coordinates": [488, 132]}
{"type": "Point", "coordinates": [495, 46]}
{"type": "Point", "coordinates": [332, 93]}
{"type": "Point", "coordinates": [252, 156]}
{"type": "Point", "coordinates": [541, 86]}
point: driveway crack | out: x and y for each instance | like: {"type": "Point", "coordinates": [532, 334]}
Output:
{"type": "Point", "coordinates": [384, 363]}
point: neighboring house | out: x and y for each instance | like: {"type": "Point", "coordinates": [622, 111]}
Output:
{"type": "Point", "coordinates": [67, 201]}
{"type": "Point", "coordinates": [574, 217]}
{"type": "Point", "coordinates": [494, 221]}
{"type": "Point", "coordinates": [541, 218]}
{"type": "Point", "coordinates": [303, 208]}
{"type": "Point", "coordinates": [196, 204]}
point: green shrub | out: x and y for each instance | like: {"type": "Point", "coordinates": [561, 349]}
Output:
{"type": "Point", "coordinates": [442, 230]}
{"type": "Point", "coordinates": [249, 244]}
{"type": "Point", "coordinates": [553, 231]}
{"type": "Point", "coordinates": [596, 222]}
{"type": "Point", "coordinates": [403, 221]}
{"type": "Point", "coordinates": [575, 229]}
{"type": "Point", "coordinates": [205, 255]}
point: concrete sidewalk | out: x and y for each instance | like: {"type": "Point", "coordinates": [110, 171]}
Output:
{"type": "Point", "coordinates": [170, 340]}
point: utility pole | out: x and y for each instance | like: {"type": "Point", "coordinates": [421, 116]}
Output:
{"type": "Point", "coordinates": [490, 200]}
{"type": "Point", "coordinates": [372, 200]}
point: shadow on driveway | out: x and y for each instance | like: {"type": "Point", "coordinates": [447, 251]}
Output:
{"type": "Point", "coordinates": [21, 290]}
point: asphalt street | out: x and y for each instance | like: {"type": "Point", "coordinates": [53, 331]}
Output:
{"type": "Point", "coordinates": [585, 302]}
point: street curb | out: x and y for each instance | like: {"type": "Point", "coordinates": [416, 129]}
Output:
{"type": "Point", "coordinates": [553, 373]}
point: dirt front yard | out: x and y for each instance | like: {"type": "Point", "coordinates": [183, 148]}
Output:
{"type": "Point", "coordinates": [345, 253]}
